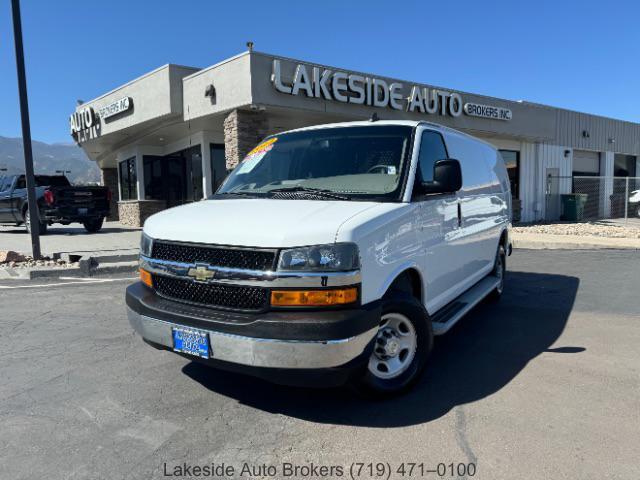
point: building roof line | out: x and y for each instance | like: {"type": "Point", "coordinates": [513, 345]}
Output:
{"type": "Point", "coordinates": [137, 79]}
{"type": "Point", "coordinates": [206, 69]}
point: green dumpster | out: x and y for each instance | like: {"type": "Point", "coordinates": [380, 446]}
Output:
{"type": "Point", "coordinates": [573, 206]}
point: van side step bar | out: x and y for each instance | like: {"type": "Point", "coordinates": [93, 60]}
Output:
{"type": "Point", "coordinates": [449, 315]}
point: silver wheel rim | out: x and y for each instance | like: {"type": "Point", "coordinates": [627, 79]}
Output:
{"type": "Point", "coordinates": [395, 346]}
{"type": "Point", "coordinates": [27, 220]}
{"type": "Point", "coordinates": [500, 272]}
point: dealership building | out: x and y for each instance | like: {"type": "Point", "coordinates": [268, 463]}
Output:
{"type": "Point", "coordinates": [170, 136]}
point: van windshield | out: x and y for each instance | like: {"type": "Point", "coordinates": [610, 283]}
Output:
{"type": "Point", "coordinates": [342, 163]}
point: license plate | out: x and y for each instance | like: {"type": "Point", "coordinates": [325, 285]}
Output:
{"type": "Point", "coordinates": [83, 211]}
{"type": "Point", "coordinates": [191, 341]}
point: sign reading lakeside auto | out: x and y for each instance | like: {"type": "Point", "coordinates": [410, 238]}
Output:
{"type": "Point", "coordinates": [316, 82]}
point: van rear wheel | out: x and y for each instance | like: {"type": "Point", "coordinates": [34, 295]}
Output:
{"type": "Point", "coordinates": [499, 271]}
{"type": "Point", "coordinates": [402, 345]}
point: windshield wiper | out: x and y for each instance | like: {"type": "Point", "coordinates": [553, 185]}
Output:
{"type": "Point", "coordinates": [317, 191]}
{"type": "Point", "coordinates": [252, 194]}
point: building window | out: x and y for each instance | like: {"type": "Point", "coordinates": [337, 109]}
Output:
{"type": "Point", "coordinates": [153, 184]}
{"type": "Point", "coordinates": [194, 156]}
{"type": "Point", "coordinates": [624, 165]}
{"type": "Point", "coordinates": [175, 178]}
{"type": "Point", "coordinates": [128, 179]}
{"type": "Point", "coordinates": [512, 162]}
{"type": "Point", "coordinates": [218, 165]}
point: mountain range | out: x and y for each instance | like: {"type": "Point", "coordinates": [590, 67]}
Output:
{"type": "Point", "coordinates": [48, 158]}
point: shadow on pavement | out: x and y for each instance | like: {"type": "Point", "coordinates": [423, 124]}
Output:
{"type": "Point", "coordinates": [478, 357]}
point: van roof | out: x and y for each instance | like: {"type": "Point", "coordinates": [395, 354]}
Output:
{"type": "Point", "coordinates": [408, 123]}
{"type": "Point", "coordinates": [361, 123]}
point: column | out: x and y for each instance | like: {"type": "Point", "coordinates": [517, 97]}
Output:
{"type": "Point", "coordinates": [206, 139]}
{"type": "Point", "coordinates": [140, 174]}
{"type": "Point", "coordinates": [606, 183]}
{"type": "Point", "coordinates": [528, 185]}
{"type": "Point", "coordinates": [243, 129]}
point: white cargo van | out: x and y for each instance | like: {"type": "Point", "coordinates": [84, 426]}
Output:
{"type": "Point", "coordinates": [331, 254]}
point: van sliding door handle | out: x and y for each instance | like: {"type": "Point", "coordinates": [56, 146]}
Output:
{"type": "Point", "coordinates": [459, 215]}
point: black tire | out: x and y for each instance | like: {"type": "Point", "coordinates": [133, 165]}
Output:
{"type": "Point", "coordinates": [500, 271]}
{"type": "Point", "coordinates": [93, 226]}
{"type": "Point", "coordinates": [403, 305]}
{"type": "Point", "coordinates": [27, 223]}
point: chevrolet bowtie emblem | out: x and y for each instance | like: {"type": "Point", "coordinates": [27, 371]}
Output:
{"type": "Point", "coordinates": [201, 273]}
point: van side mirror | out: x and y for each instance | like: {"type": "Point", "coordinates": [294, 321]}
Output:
{"type": "Point", "coordinates": [447, 177]}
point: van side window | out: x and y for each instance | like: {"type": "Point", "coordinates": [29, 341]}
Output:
{"type": "Point", "coordinates": [432, 149]}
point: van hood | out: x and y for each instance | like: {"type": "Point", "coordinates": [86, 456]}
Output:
{"type": "Point", "coordinates": [267, 223]}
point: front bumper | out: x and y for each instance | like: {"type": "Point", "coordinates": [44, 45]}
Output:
{"type": "Point", "coordinates": [279, 340]}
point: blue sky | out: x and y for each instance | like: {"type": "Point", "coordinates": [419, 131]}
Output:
{"type": "Point", "coordinates": [582, 55]}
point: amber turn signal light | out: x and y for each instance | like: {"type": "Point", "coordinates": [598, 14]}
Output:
{"type": "Point", "coordinates": [313, 298]}
{"type": "Point", "coordinates": [145, 277]}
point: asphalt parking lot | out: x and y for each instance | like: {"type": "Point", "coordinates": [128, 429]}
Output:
{"type": "Point", "coordinates": [545, 384]}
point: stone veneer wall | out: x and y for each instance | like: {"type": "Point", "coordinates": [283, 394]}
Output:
{"type": "Point", "coordinates": [243, 130]}
{"type": "Point", "coordinates": [134, 212]}
{"type": "Point", "coordinates": [109, 178]}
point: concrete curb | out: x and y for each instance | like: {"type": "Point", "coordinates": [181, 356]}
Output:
{"type": "Point", "coordinates": [88, 267]}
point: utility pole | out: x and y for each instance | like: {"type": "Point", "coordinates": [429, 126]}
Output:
{"type": "Point", "coordinates": [34, 216]}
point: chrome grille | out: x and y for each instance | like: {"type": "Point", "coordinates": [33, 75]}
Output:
{"type": "Point", "coordinates": [214, 256]}
{"type": "Point", "coordinates": [212, 295]}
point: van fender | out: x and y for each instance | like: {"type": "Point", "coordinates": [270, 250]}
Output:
{"type": "Point", "coordinates": [395, 273]}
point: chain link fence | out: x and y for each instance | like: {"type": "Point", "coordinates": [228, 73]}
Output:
{"type": "Point", "coordinates": [591, 198]}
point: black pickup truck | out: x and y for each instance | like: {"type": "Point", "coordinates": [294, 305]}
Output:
{"type": "Point", "coordinates": [58, 202]}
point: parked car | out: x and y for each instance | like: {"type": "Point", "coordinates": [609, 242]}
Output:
{"type": "Point", "coordinates": [635, 199]}
{"type": "Point", "coordinates": [332, 254]}
{"type": "Point", "coordinates": [58, 202]}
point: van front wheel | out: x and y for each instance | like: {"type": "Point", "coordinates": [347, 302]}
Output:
{"type": "Point", "coordinates": [402, 345]}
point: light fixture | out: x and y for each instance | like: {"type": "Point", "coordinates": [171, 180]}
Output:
{"type": "Point", "coordinates": [567, 153]}
{"type": "Point", "coordinates": [585, 134]}
{"type": "Point", "coordinates": [612, 140]}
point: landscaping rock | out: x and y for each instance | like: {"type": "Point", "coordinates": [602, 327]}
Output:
{"type": "Point", "coordinates": [7, 256]}
{"type": "Point", "coordinates": [595, 229]}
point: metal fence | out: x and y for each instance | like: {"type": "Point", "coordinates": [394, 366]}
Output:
{"type": "Point", "coordinates": [597, 198]}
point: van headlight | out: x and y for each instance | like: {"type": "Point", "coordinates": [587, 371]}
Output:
{"type": "Point", "coordinates": [146, 244]}
{"type": "Point", "coordinates": [334, 257]}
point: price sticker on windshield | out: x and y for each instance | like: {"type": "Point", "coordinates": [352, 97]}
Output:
{"type": "Point", "coordinates": [266, 146]}
{"type": "Point", "coordinates": [254, 156]}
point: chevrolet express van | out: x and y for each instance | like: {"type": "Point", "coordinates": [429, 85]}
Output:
{"type": "Point", "coordinates": [331, 254]}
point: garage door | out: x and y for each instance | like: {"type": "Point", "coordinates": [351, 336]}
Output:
{"type": "Point", "coordinates": [586, 162]}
